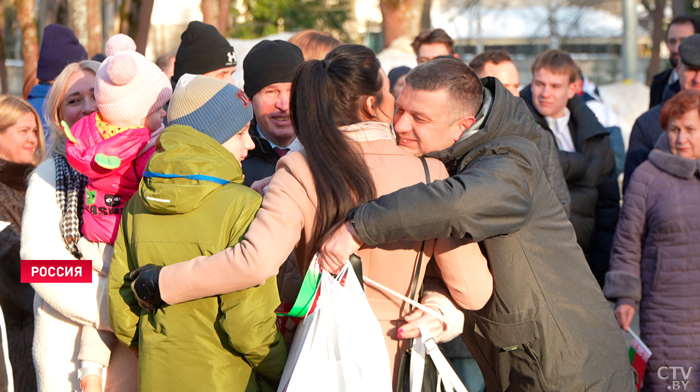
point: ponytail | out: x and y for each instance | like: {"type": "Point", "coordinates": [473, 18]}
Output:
{"type": "Point", "coordinates": [327, 94]}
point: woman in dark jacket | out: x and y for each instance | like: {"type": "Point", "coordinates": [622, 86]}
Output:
{"type": "Point", "coordinates": [656, 251]}
{"type": "Point", "coordinates": [21, 147]}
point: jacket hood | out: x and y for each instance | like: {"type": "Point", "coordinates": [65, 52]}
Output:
{"type": "Point", "coordinates": [187, 168]}
{"type": "Point", "coordinates": [663, 159]}
{"type": "Point", "coordinates": [584, 122]}
{"type": "Point", "coordinates": [501, 114]}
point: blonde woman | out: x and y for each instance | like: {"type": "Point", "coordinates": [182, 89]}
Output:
{"type": "Point", "coordinates": [50, 231]}
{"type": "Point", "coordinates": [21, 148]}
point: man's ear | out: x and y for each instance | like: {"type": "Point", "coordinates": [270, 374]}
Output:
{"type": "Point", "coordinates": [462, 125]}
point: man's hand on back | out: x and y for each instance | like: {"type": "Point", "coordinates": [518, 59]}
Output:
{"type": "Point", "coordinates": [338, 248]}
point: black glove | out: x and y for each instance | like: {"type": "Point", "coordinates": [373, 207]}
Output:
{"type": "Point", "coordinates": [146, 288]}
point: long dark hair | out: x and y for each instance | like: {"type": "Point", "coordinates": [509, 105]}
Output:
{"type": "Point", "coordinates": [327, 94]}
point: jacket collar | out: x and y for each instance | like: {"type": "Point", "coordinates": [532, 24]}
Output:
{"type": "Point", "coordinates": [39, 91]}
{"type": "Point", "coordinates": [262, 146]}
{"type": "Point", "coordinates": [368, 131]}
{"type": "Point", "coordinates": [583, 123]}
{"type": "Point", "coordinates": [14, 175]}
{"type": "Point", "coordinates": [663, 159]}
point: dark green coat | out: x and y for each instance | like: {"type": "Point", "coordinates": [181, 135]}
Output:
{"type": "Point", "coordinates": [547, 326]}
{"type": "Point", "coordinates": [224, 343]}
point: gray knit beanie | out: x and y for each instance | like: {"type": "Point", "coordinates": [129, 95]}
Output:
{"type": "Point", "coordinates": [214, 107]}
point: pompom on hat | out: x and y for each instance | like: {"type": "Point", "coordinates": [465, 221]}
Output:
{"type": "Point", "coordinates": [128, 87]}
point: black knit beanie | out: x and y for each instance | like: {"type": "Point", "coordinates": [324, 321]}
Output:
{"type": "Point", "coordinates": [203, 49]}
{"type": "Point", "coordinates": [270, 62]}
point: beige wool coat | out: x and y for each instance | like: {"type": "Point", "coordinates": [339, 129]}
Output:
{"type": "Point", "coordinates": [286, 221]}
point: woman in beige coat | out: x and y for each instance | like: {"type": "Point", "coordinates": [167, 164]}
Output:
{"type": "Point", "coordinates": [341, 108]}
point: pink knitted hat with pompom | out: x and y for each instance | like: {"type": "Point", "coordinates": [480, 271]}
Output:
{"type": "Point", "coordinates": [128, 87]}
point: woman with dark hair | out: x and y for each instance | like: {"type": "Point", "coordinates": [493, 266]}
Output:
{"type": "Point", "coordinates": [341, 109]}
{"type": "Point", "coordinates": [655, 258]}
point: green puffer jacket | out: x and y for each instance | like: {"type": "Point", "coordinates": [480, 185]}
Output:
{"type": "Point", "coordinates": [225, 343]}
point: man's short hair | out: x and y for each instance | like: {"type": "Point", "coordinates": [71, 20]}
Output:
{"type": "Point", "coordinates": [556, 61]}
{"type": "Point", "coordinates": [460, 81]}
{"type": "Point", "coordinates": [437, 36]}
{"type": "Point", "coordinates": [683, 19]}
{"type": "Point", "coordinates": [490, 56]}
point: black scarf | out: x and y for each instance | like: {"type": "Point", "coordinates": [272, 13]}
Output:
{"type": "Point", "coordinates": [70, 190]}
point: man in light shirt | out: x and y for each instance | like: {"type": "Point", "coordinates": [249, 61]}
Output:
{"type": "Point", "coordinates": [585, 154]}
{"type": "Point", "coordinates": [498, 63]}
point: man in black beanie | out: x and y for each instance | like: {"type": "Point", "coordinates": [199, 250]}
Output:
{"type": "Point", "coordinates": [268, 70]}
{"type": "Point", "coordinates": [204, 51]}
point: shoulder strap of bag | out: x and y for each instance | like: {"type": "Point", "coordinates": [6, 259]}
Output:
{"type": "Point", "coordinates": [416, 274]}
{"type": "Point", "coordinates": [449, 378]}
{"type": "Point", "coordinates": [356, 264]}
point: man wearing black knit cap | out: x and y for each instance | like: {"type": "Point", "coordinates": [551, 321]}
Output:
{"type": "Point", "coordinates": [204, 51]}
{"type": "Point", "coordinates": [268, 70]}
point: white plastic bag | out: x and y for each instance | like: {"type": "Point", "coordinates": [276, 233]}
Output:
{"type": "Point", "coordinates": [339, 347]}
{"type": "Point", "coordinates": [447, 378]}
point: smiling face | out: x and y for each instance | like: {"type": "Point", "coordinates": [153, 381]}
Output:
{"type": "Point", "coordinates": [80, 97]}
{"type": "Point", "coordinates": [19, 141]}
{"type": "Point", "coordinates": [551, 92]}
{"type": "Point", "coordinates": [425, 121]}
{"type": "Point", "coordinates": [684, 135]}
{"type": "Point", "coordinates": [271, 109]}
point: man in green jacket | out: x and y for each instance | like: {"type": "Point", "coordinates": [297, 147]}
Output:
{"type": "Point", "coordinates": [547, 326]}
{"type": "Point", "coordinates": [193, 203]}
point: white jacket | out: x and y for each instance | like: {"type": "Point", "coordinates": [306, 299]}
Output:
{"type": "Point", "coordinates": [60, 309]}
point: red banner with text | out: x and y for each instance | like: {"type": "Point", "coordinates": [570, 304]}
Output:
{"type": "Point", "coordinates": [56, 271]}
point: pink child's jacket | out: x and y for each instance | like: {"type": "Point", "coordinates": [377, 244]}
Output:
{"type": "Point", "coordinates": [108, 190]}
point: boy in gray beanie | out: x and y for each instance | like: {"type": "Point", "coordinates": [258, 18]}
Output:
{"type": "Point", "coordinates": [193, 203]}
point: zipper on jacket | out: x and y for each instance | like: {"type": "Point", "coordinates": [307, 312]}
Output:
{"type": "Point", "coordinates": [531, 353]}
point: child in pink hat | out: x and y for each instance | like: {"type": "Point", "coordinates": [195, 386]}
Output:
{"type": "Point", "coordinates": [111, 147]}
